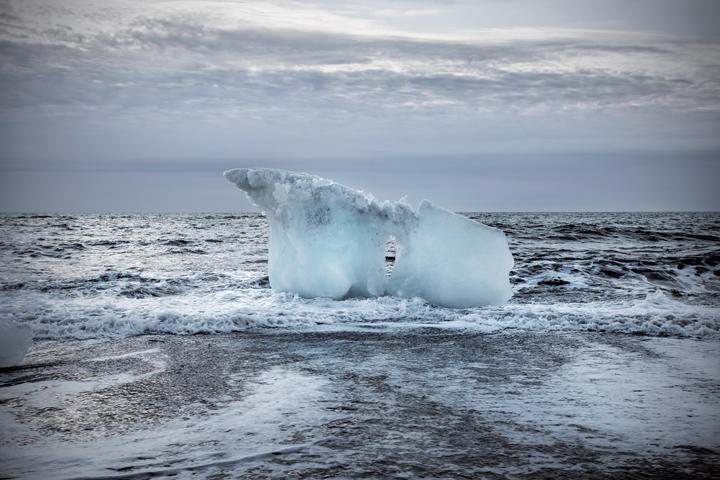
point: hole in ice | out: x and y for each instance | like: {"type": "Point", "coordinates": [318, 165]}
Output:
{"type": "Point", "coordinates": [390, 253]}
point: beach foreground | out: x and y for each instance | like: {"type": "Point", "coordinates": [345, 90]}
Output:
{"type": "Point", "coordinates": [364, 403]}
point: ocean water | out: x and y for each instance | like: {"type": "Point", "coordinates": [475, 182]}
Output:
{"type": "Point", "coordinates": [107, 276]}
{"type": "Point", "coordinates": [161, 352]}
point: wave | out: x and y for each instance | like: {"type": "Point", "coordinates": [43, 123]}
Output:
{"type": "Point", "coordinates": [260, 308]}
{"type": "Point", "coordinates": [649, 228]}
{"type": "Point", "coordinates": [115, 275]}
{"type": "Point", "coordinates": [128, 284]}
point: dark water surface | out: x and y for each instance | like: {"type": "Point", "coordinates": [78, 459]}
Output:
{"type": "Point", "coordinates": [100, 276]}
{"type": "Point", "coordinates": [605, 364]}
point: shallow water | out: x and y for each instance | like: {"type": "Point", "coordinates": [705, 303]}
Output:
{"type": "Point", "coordinates": [99, 276]}
{"type": "Point", "coordinates": [420, 403]}
{"type": "Point", "coordinates": [605, 363]}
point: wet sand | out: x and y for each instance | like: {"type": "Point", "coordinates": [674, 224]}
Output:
{"type": "Point", "coordinates": [419, 403]}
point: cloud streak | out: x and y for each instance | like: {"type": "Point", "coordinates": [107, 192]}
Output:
{"type": "Point", "coordinates": [175, 61]}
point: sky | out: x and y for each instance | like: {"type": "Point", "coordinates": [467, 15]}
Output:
{"type": "Point", "coordinates": [513, 105]}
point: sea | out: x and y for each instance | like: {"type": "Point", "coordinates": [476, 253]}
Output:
{"type": "Point", "coordinates": [160, 350]}
{"type": "Point", "coordinates": [104, 276]}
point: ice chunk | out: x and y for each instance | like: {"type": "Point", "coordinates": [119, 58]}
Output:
{"type": "Point", "coordinates": [452, 261]}
{"type": "Point", "coordinates": [14, 343]}
{"type": "Point", "coordinates": [328, 240]}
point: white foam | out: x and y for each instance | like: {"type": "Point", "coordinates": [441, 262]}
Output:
{"type": "Point", "coordinates": [244, 432]}
{"type": "Point", "coordinates": [47, 393]}
{"type": "Point", "coordinates": [655, 314]}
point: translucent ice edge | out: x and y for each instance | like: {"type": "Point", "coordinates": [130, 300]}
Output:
{"type": "Point", "coordinates": [14, 343]}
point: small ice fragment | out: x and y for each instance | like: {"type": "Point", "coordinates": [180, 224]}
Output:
{"type": "Point", "coordinates": [14, 343]}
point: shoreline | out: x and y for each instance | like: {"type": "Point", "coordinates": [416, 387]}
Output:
{"type": "Point", "coordinates": [371, 404]}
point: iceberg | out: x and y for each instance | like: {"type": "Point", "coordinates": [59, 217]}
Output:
{"type": "Point", "coordinates": [14, 343]}
{"type": "Point", "coordinates": [328, 240]}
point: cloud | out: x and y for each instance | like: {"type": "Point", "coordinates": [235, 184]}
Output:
{"type": "Point", "coordinates": [178, 60]}
{"type": "Point", "coordinates": [289, 79]}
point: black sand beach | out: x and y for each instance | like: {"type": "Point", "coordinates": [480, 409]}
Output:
{"type": "Point", "coordinates": [424, 403]}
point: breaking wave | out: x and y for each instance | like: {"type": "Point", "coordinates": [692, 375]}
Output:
{"type": "Point", "coordinates": [93, 276]}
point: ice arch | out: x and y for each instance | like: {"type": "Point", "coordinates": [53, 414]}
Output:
{"type": "Point", "coordinates": [328, 240]}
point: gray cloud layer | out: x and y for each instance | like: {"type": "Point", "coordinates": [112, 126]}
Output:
{"type": "Point", "coordinates": [171, 64]}
{"type": "Point", "coordinates": [86, 87]}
